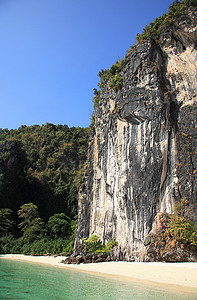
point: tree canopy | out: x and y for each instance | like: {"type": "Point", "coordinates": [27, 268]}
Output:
{"type": "Point", "coordinates": [41, 170]}
{"type": "Point", "coordinates": [42, 165]}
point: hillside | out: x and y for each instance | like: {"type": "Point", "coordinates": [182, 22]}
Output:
{"type": "Point", "coordinates": [42, 165]}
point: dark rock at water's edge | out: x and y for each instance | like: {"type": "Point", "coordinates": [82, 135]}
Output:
{"type": "Point", "coordinates": [87, 258]}
{"type": "Point", "coordinates": [175, 255]}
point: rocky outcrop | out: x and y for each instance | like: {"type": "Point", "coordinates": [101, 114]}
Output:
{"type": "Point", "coordinates": [88, 258]}
{"type": "Point", "coordinates": [142, 154]}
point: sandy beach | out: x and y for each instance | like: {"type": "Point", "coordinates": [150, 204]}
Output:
{"type": "Point", "coordinates": [174, 275]}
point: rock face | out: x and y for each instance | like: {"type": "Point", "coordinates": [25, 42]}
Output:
{"type": "Point", "coordinates": [142, 154]}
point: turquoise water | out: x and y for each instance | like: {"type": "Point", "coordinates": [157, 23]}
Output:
{"type": "Point", "coordinates": [21, 280]}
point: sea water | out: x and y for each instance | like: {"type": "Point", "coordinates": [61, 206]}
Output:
{"type": "Point", "coordinates": [22, 280]}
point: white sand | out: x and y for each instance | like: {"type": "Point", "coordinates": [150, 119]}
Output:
{"type": "Point", "coordinates": [174, 275]}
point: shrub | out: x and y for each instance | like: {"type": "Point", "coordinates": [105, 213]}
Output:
{"type": "Point", "coordinates": [116, 82]}
{"type": "Point", "coordinates": [94, 245]}
{"type": "Point", "coordinates": [182, 230]}
{"type": "Point", "coordinates": [110, 245]}
{"type": "Point", "coordinates": [6, 243]}
{"type": "Point", "coordinates": [96, 98]}
{"type": "Point", "coordinates": [173, 231]}
{"type": "Point", "coordinates": [68, 249]}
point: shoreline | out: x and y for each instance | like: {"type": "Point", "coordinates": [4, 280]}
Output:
{"type": "Point", "coordinates": [174, 276]}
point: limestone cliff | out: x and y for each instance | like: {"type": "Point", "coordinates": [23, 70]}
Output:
{"type": "Point", "coordinates": [142, 153]}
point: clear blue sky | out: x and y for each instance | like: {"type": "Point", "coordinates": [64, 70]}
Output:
{"type": "Point", "coordinates": [52, 50]}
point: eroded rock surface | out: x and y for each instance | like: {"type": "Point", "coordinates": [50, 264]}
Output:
{"type": "Point", "coordinates": [142, 154]}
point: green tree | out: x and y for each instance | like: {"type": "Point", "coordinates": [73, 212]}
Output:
{"type": "Point", "coordinates": [32, 224]}
{"type": "Point", "coordinates": [6, 230]}
{"type": "Point", "coordinates": [58, 226]}
{"type": "Point", "coordinates": [6, 222]}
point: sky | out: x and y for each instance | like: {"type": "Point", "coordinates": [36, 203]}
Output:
{"type": "Point", "coordinates": [51, 52]}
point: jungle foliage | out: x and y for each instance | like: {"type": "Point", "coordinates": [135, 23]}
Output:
{"type": "Point", "coordinates": [36, 238]}
{"type": "Point", "coordinates": [41, 169]}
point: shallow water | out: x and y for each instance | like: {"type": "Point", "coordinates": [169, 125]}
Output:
{"type": "Point", "coordinates": [21, 280]}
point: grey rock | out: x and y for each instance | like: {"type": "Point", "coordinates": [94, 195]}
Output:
{"type": "Point", "coordinates": [142, 153]}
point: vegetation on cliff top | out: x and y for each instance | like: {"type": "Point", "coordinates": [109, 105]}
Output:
{"type": "Point", "coordinates": [112, 76]}
{"type": "Point", "coordinates": [154, 29]}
